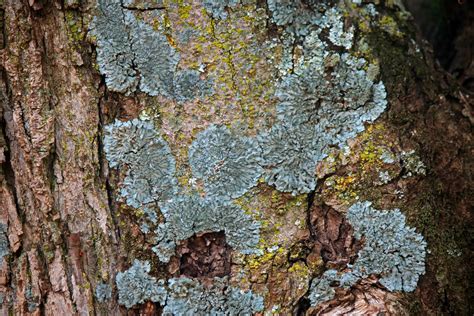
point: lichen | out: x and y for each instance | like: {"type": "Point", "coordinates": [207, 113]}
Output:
{"type": "Point", "coordinates": [103, 292]}
{"type": "Point", "coordinates": [322, 288]}
{"type": "Point", "coordinates": [413, 164]}
{"type": "Point", "coordinates": [184, 296]}
{"type": "Point", "coordinates": [188, 86]}
{"type": "Point", "coordinates": [190, 297]}
{"type": "Point", "coordinates": [4, 244]}
{"type": "Point", "coordinates": [325, 102]}
{"type": "Point", "coordinates": [132, 55]}
{"type": "Point", "coordinates": [190, 214]}
{"type": "Point", "coordinates": [289, 154]}
{"type": "Point", "coordinates": [227, 163]}
{"type": "Point", "coordinates": [296, 15]}
{"type": "Point", "coordinates": [151, 166]}
{"type": "Point", "coordinates": [392, 251]}
{"type": "Point", "coordinates": [217, 8]}
{"type": "Point", "coordinates": [135, 286]}
{"type": "Point", "coordinates": [115, 55]}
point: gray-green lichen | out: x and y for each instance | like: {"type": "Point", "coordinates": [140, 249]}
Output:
{"type": "Point", "coordinates": [392, 251]}
{"type": "Point", "coordinates": [151, 166]}
{"type": "Point", "coordinates": [132, 55]}
{"type": "Point", "coordinates": [135, 286]}
{"type": "Point", "coordinates": [217, 8]}
{"type": "Point", "coordinates": [227, 163]}
{"type": "Point", "coordinates": [184, 296]}
{"type": "Point", "coordinates": [190, 297]}
{"type": "Point", "coordinates": [188, 86]}
{"type": "Point", "coordinates": [412, 164]}
{"type": "Point", "coordinates": [325, 101]}
{"type": "Point", "coordinates": [4, 244]}
{"type": "Point", "coordinates": [289, 154]}
{"type": "Point", "coordinates": [322, 288]}
{"type": "Point", "coordinates": [296, 15]}
{"type": "Point", "coordinates": [190, 214]}
{"type": "Point", "coordinates": [103, 292]}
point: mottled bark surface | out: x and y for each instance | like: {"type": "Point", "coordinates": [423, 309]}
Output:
{"type": "Point", "coordinates": [68, 230]}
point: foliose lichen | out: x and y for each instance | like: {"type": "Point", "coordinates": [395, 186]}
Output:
{"type": "Point", "coordinates": [103, 292]}
{"type": "Point", "coordinates": [135, 285]}
{"type": "Point", "coordinates": [190, 297]}
{"type": "Point", "coordinates": [4, 244]}
{"type": "Point", "coordinates": [188, 86]}
{"type": "Point", "coordinates": [295, 15]}
{"type": "Point", "coordinates": [227, 163]}
{"type": "Point", "coordinates": [132, 55]}
{"type": "Point", "coordinates": [151, 166]}
{"type": "Point", "coordinates": [392, 251]}
{"type": "Point", "coordinates": [322, 288]}
{"type": "Point", "coordinates": [184, 296]}
{"type": "Point", "coordinates": [217, 8]}
{"type": "Point", "coordinates": [322, 104]}
{"type": "Point", "coordinates": [413, 164]}
{"type": "Point", "coordinates": [289, 154]}
{"type": "Point", "coordinates": [190, 214]}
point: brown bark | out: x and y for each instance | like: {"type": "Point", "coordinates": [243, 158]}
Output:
{"type": "Point", "coordinates": [67, 232]}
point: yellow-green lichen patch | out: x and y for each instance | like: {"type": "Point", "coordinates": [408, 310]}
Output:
{"type": "Point", "coordinates": [234, 55]}
{"type": "Point", "coordinates": [283, 225]}
{"type": "Point", "coordinates": [370, 161]}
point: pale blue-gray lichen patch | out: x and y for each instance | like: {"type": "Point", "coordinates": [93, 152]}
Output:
{"type": "Point", "coordinates": [132, 55]}
{"type": "Point", "coordinates": [325, 101]}
{"type": "Point", "coordinates": [190, 214]}
{"type": "Point", "coordinates": [184, 296]}
{"type": "Point", "coordinates": [4, 244]}
{"type": "Point", "coordinates": [290, 158]}
{"type": "Point", "coordinates": [188, 86]}
{"type": "Point", "coordinates": [392, 251]}
{"type": "Point", "coordinates": [103, 292]}
{"type": "Point", "coordinates": [217, 8]}
{"type": "Point", "coordinates": [151, 166]}
{"type": "Point", "coordinates": [228, 164]}
{"type": "Point", "coordinates": [190, 297]}
{"type": "Point", "coordinates": [136, 285]}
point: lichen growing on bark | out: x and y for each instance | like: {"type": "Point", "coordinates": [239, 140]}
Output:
{"type": "Point", "coordinates": [217, 8]}
{"type": "Point", "coordinates": [132, 55]}
{"type": "Point", "coordinates": [135, 285]}
{"type": "Point", "coordinates": [190, 214]}
{"type": "Point", "coordinates": [190, 297]}
{"type": "Point", "coordinates": [227, 163]}
{"type": "Point", "coordinates": [4, 244]}
{"type": "Point", "coordinates": [323, 103]}
{"type": "Point", "coordinates": [188, 85]}
{"type": "Point", "coordinates": [151, 166]}
{"type": "Point", "coordinates": [103, 292]}
{"type": "Point", "coordinates": [184, 296]}
{"type": "Point", "coordinates": [392, 251]}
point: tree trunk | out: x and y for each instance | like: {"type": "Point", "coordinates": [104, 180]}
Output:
{"type": "Point", "coordinates": [69, 232]}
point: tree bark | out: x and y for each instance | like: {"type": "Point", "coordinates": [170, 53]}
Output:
{"type": "Point", "coordinates": [69, 230]}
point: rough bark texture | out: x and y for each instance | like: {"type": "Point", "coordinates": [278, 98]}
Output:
{"type": "Point", "coordinates": [69, 231]}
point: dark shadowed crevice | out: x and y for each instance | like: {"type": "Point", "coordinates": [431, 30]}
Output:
{"type": "Point", "coordinates": [449, 27]}
{"type": "Point", "coordinates": [204, 255]}
{"type": "Point", "coordinates": [104, 174]}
